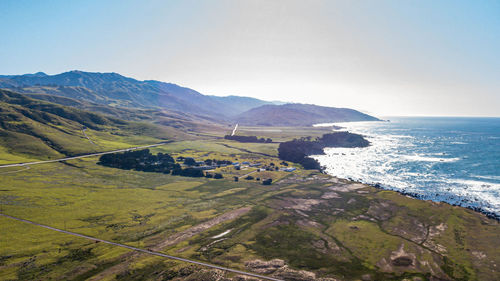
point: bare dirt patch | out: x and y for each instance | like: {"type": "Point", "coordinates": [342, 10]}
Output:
{"type": "Point", "coordinates": [402, 258]}
{"type": "Point", "coordinates": [382, 211]}
{"type": "Point", "coordinates": [298, 203]}
{"type": "Point", "coordinates": [278, 268]}
{"type": "Point", "coordinates": [127, 258]}
{"type": "Point", "coordinates": [410, 228]}
{"type": "Point", "coordinates": [434, 231]}
{"type": "Point", "coordinates": [264, 267]}
{"type": "Point", "coordinates": [330, 195]}
{"type": "Point", "coordinates": [347, 187]}
{"type": "Point", "coordinates": [192, 231]}
{"type": "Point", "coordinates": [309, 223]}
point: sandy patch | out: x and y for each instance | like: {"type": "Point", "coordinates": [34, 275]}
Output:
{"type": "Point", "coordinates": [330, 195]}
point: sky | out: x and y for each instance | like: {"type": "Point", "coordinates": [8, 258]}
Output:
{"type": "Point", "coordinates": [387, 58]}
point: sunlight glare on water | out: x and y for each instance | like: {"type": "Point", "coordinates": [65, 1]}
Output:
{"type": "Point", "coordinates": [454, 160]}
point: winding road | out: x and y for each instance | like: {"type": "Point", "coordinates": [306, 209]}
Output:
{"type": "Point", "coordinates": [143, 250]}
{"type": "Point", "coordinates": [82, 156]}
{"type": "Point", "coordinates": [85, 134]}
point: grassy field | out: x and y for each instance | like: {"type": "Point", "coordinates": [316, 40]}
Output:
{"type": "Point", "coordinates": [325, 226]}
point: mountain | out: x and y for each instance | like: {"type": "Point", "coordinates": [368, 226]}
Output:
{"type": "Point", "coordinates": [299, 115]}
{"type": "Point", "coordinates": [38, 74]}
{"type": "Point", "coordinates": [86, 99]}
{"type": "Point", "coordinates": [74, 92]}
{"type": "Point", "coordinates": [105, 88]}
{"type": "Point", "coordinates": [115, 90]}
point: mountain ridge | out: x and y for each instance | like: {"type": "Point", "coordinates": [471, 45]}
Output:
{"type": "Point", "coordinates": [115, 90]}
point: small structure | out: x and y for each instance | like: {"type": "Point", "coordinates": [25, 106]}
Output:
{"type": "Point", "coordinates": [204, 167]}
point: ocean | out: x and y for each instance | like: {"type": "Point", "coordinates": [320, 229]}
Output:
{"type": "Point", "coordinates": [453, 160]}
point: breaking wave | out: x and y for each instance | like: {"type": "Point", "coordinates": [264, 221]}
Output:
{"type": "Point", "coordinates": [442, 159]}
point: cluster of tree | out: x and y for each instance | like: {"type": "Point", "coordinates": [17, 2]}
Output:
{"type": "Point", "coordinates": [209, 162]}
{"type": "Point", "coordinates": [190, 161]}
{"type": "Point", "coordinates": [188, 172]}
{"type": "Point", "coordinates": [298, 150]}
{"type": "Point", "coordinates": [214, 176]}
{"type": "Point", "coordinates": [217, 162]}
{"type": "Point", "coordinates": [248, 139]}
{"type": "Point", "coordinates": [143, 160]}
{"type": "Point", "coordinates": [139, 160]}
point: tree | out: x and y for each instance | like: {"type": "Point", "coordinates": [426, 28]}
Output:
{"type": "Point", "coordinates": [247, 139]}
{"type": "Point", "coordinates": [267, 182]}
{"type": "Point", "coordinates": [140, 160]}
{"type": "Point", "coordinates": [189, 161]}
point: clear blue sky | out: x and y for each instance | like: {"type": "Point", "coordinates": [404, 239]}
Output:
{"type": "Point", "coordinates": [384, 57]}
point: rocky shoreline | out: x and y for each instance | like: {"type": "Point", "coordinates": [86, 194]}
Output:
{"type": "Point", "coordinates": [422, 197]}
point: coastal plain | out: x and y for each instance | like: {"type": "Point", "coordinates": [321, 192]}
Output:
{"type": "Point", "coordinates": [304, 226]}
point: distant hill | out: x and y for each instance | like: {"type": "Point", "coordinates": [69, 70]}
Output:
{"type": "Point", "coordinates": [115, 90]}
{"type": "Point", "coordinates": [235, 105]}
{"type": "Point", "coordinates": [299, 115]}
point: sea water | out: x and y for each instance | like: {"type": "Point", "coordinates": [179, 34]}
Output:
{"type": "Point", "coordinates": [453, 160]}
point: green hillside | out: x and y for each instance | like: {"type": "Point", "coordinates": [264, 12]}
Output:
{"type": "Point", "coordinates": [34, 129]}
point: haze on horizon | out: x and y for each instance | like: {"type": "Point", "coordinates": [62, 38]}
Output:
{"type": "Point", "coordinates": [433, 58]}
